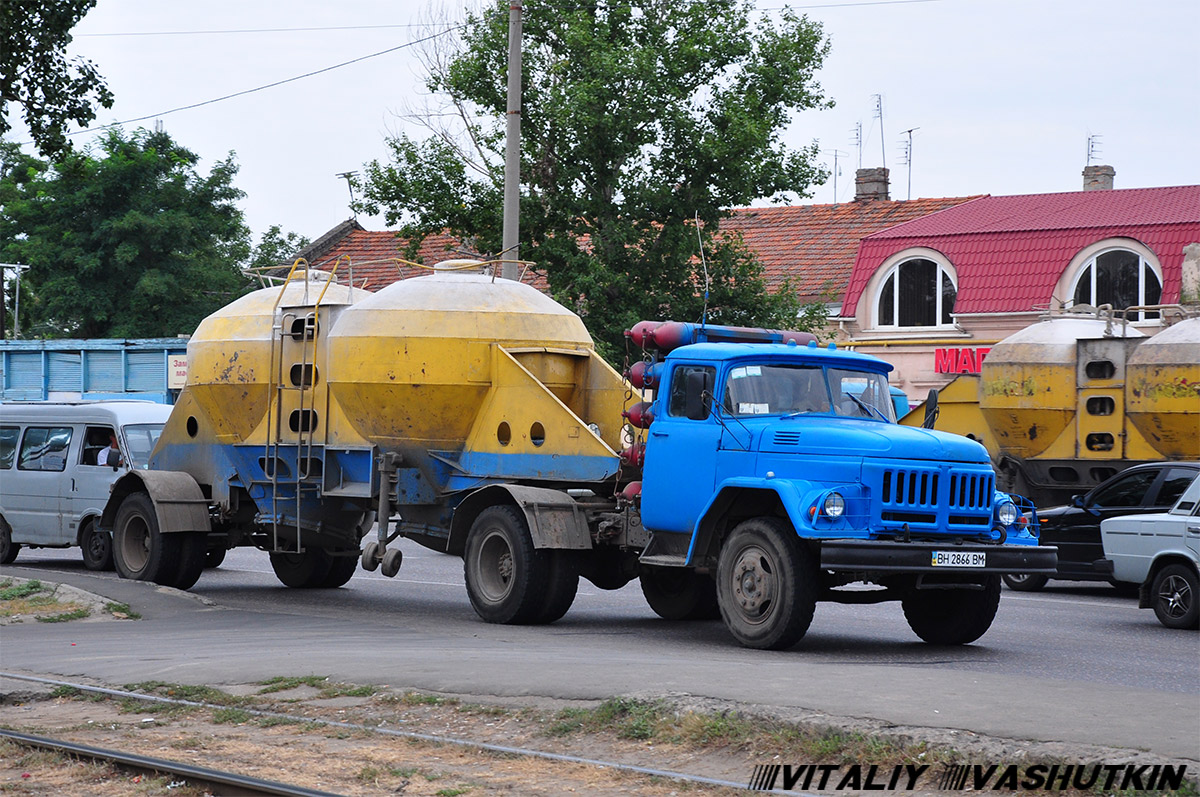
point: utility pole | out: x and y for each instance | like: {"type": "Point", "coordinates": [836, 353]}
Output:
{"type": "Point", "coordinates": [512, 149]}
{"type": "Point", "coordinates": [17, 267]}
{"type": "Point", "coordinates": [349, 178]}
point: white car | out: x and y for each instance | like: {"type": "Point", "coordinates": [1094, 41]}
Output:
{"type": "Point", "coordinates": [1162, 553]}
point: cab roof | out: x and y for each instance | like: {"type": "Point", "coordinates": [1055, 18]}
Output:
{"type": "Point", "coordinates": [800, 354]}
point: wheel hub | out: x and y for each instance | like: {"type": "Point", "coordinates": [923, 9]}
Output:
{"type": "Point", "coordinates": [1175, 596]}
{"type": "Point", "coordinates": [753, 583]}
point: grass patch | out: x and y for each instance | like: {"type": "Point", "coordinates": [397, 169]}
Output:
{"type": "Point", "coordinates": [328, 689]}
{"type": "Point", "coordinates": [271, 722]}
{"type": "Point", "coordinates": [66, 617]}
{"type": "Point", "coordinates": [627, 718]}
{"type": "Point", "coordinates": [421, 699]}
{"type": "Point", "coordinates": [231, 716]}
{"type": "Point", "coordinates": [11, 593]}
{"type": "Point", "coordinates": [453, 792]}
{"type": "Point", "coordinates": [121, 611]}
{"type": "Point", "coordinates": [196, 694]}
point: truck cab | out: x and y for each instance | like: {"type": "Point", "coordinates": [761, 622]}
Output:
{"type": "Point", "coordinates": [766, 459]}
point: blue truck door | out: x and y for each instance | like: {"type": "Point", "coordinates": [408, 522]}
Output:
{"type": "Point", "coordinates": [680, 469]}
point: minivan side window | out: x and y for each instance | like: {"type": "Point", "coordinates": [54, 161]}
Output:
{"type": "Point", "coordinates": [8, 445]}
{"type": "Point", "coordinates": [45, 448]}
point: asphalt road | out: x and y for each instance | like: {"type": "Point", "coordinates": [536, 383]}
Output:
{"type": "Point", "coordinates": [1075, 663]}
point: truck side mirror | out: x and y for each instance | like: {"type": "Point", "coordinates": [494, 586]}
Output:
{"type": "Point", "coordinates": [113, 460]}
{"type": "Point", "coordinates": [697, 385]}
{"type": "Point", "coordinates": [931, 410]}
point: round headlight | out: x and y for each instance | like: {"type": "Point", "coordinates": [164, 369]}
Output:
{"type": "Point", "coordinates": [1007, 513]}
{"type": "Point", "coordinates": [834, 505]}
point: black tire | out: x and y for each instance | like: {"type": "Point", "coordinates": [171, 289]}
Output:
{"type": "Point", "coordinates": [766, 585]}
{"type": "Point", "coordinates": [213, 557]}
{"type": "Point", "coordinates": [561, 587]}
{"type": "Point", "coordinates": [302, 570]}
{"type": "Point", "coordinates": [341, 570]}
{"type": "Point", "coordinates": [8, 548]}
{"type": "Point", "coordinates": [1174, 594]}
{"type": "Point", "coordinates": [506, 577]}
{"type": "Point", "coordinates": [140, 551]}
{"type": "Point", "coordinates": [952, 616]}
{"type": "Point", "coordinates": [678, 593]}
{"type": "Point", "coordinates": [1028, 582]}
{"type": "Point", "coordinates": [193, 550]}
{"type": "Point", "coordinates": [97, 548]}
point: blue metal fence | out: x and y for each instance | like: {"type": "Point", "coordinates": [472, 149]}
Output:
{"type": "Point", "coordinates": [41, 370]}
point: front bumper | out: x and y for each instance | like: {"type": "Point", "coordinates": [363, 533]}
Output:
{"type": "Point", "coordinates": [915, 557]}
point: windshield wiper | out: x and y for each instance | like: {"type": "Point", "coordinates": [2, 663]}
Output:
{"type": "Point", "coordinates": [868, 407]}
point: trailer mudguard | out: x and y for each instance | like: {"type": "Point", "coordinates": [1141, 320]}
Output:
{"type": "Point", "coordinates": [555, 519]}
{"type": "Point", "coordinates": [179, 503]}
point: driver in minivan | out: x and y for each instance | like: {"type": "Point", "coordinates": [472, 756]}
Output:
{"type": "Point", "coordinates": [102, 459]}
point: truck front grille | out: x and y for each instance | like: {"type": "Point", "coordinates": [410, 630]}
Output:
{"type": "Point", "coordinates": [921, 495]}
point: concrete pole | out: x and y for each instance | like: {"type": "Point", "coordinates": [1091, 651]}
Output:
{"type": "Point", "coordinates": [512, 149]}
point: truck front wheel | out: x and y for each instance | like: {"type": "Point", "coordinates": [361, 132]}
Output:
{"type": "Point", "coordinates": [766, 585]}
{"type": "Point", "coordinates": [507, 578]}
{"type": "Point", "coordinates": [677, 593]}
{"type": "Point", "coordinates": [952, 616]}
{"type": "Point", "coordinates": [140, 551]}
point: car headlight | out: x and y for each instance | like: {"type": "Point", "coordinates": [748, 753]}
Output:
{"type": "Point", "coordinates": [1007, 513]}
{"type": "Point", "coordinates": [834, 505]}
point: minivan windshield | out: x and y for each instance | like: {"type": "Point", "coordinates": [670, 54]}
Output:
{"type": "Point", "coordinates": [140, 439]}
{"type": "Point", "coordinates": [771, 389]}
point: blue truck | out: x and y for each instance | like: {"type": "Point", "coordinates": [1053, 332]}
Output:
{"type": "Point", "coordinates": [758, 474]}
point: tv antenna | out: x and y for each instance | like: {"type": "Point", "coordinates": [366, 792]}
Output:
{"type": "Point", "coordinates": [837, 170]}
{"type": "Point", "coordinates": [349, 178]}
{"type": "Point", "coordinates": [1093, 148]}
{"type": "Point", "coordinates": [879, 115]}
{"type": "Point", "coordinates": [908, 156]}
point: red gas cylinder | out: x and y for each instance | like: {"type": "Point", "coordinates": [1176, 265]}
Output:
{"type": "Point", "coordinates": [640, 415]}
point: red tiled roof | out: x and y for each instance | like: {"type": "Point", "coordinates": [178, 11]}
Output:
{"type": "Point", "coordinates": [815, 245]}
{"type": "Point", "coordinates": [1009, 252]}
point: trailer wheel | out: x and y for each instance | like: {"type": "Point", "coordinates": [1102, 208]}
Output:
{"type": "Point", "coordinates": [1174, 593]}
{"type": "Point", "coordinates": [213, 557]}
{"type": "Point", "coordinates": [766, 585]}
{"type": "Point", "coordinates": [562, 585]}
{"type": "Point", "coordinates": [678, 593]}
{"type": "Point", "coordinates": [341, 570]}
{"type": "Point", "coordinates": [952, 616]}
{"type": "Point", "coordinates": [506, 577]}
{"type": "Point", "coordinates": [193, 550]}
{"type": "Point", "coordinates": [97, 547]}
{"type": "Point", "coordinates": [8, 548]}
{"type": "Point", "coordinates": [140, 550]}
{"type": "Point", "coordinates": [302, 570]}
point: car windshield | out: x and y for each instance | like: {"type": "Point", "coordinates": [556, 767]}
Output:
{"type": "Point", "coordinates": [768, 389]}
{"type": "Point", "coordinates": [139, 442]}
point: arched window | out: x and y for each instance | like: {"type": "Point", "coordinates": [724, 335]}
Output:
{"type": "Point", "coordinates": [1121, 278]}
{"type": "Point", "coordinates": [917, 293]}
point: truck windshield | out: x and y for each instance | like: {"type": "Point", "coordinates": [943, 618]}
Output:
{"type": "Point", "coordinates": [794, 390]}
{"type": "Point", "coordinates": [139, 442]}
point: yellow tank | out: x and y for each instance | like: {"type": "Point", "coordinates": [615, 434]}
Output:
{"type": "Point", "coordinates": [1031, 381]}
{"type": "Point", "coordinates": [1164, 390]}
{"type": "Point", "coordinates": [230, 370]}
{"type": "Point", "coordinates": [456, 361]}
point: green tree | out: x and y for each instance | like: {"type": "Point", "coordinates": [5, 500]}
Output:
{"type": "Point", "coordinates": [36, 75]}
{"type": "Point", "coordinates": [276, 248]}
{"type": "Point", "coordinates": [638, 117]}
{"type": "Point", "coordinates": [124, 239]}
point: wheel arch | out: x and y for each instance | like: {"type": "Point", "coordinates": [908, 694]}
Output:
{"type": "Point", "coordinates": [179, 502]}
{"type": "Point", "coordinates": [1163, 560]}
{"type": "Point", "coordinates": [88, 521]}
{"type": "Point", "coordinates": [735, 503]}
{"type": "Point", "coordinates": [555, 519]}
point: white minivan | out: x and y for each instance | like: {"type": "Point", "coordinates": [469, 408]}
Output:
{"type": "Point", "coordinates": [53, 483]}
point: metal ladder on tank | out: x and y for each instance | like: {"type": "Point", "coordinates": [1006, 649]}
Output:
{"type": "Point", "coordinates": [305, 328]}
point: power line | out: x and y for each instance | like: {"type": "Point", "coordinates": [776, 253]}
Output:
{"type": "Point", "coordinates": [254, 30]}
{"type": "Point", "coordinates": [269, 85]}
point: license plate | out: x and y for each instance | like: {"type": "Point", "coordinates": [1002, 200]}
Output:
{"type": "Point", "coordinates": [959, 559]}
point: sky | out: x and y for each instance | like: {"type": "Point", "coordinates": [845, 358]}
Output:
{"type": "Point", "coordinates": [1002, 96]}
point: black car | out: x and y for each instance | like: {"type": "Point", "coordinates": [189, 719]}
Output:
{"type": "Point", "coordinates": [1075, 529]}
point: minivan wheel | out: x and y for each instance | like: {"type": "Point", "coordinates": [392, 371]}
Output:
{"type": "Point", "coordinates": [97, 548]}
{"type": "Point", "coordinates": [8, 548]}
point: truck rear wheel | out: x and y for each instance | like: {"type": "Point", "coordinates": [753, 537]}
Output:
{"type": "Point", "coordinates": [561, 587]}
{"type": "Point", "coordinates": [140, 550]}
{"type": "Point", "coordinates": [506, 576]}
{"type": "Point", "coordinates": [952, 616]}
{"type": "Point", "coordinates": [96, 547]}
{"type": "Point", "coordinates": [303, 570]}
{"type": "Point", "coordinates": [677, 593]}
{"type": "Point", "coordinates": [341, 570]}
{"type": "Point", "coordinates": [766, 585]}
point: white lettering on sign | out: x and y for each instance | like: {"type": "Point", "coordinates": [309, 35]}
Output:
{"type": "Point", "coordinates": [176, 371]}
{"type": "Point", "coordinates": [959, 361]}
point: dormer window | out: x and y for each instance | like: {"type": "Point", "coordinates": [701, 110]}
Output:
{"type": "Point", "coordinates": [917, 292]}
{"type": "Point", "coordinates": [1121, 278]}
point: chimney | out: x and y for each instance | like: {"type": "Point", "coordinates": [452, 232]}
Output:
{"type": "Point", "coordinates": [871, 184]}
{"type": "Point", "coordinates": [1098, 178]}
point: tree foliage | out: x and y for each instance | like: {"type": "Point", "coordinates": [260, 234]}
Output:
{"type": "Point", "coordinates": [639, 117]}
{"type": "Point", "coordinates": [124, 239]}
{"type": "Point", "coordinates": [36, 75]}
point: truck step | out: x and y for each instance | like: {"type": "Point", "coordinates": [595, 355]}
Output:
{"type": "Point", "coordinates": [664, 560]}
